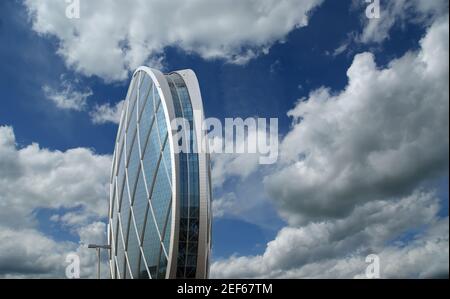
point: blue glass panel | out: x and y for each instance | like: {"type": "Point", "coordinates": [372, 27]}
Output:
{"type": "Point", "coordinates": [167, 159]}
{"type": "Point", "coordinates": [133, 167]}
{"type": "Point", "coordinates": [132, 100]}
{"type": "Point", "coordinates": [151, 244]}
{"type": "Point", "coordinates": [140, 204]}
{"type": "Point", "coordinates": [114, 245]}
{"type": "Point", "coordinates": [146, 121]}
{"type": "Point", "coordinates": [112, 192]}
{"type": "Point", "coordinates": [120, 254]}
{"type": "Point", "coordinates": [121, 178]}
{"type": "Point", "coordinates": [143, 274]}
{"type": "Point", "coordinates": [162, 126]}
{"type": "Point", "coordinates": [126, 275]}
{"type": "Point", "coordinates": [161, 198]}
{"type": "Point", "coordinates": [124, 212]}
{"type": "Point", "coordinates": [114, 224]}
{"type": "Point", "coordinates": [151, 157]}
{"type": "Point", "coordinates": [166, 239]}
{"type": "Point", "coordinates": [131, 139]}
{"type": "Point", "coordinates": [162, 267]}
{"type": "Point", "coordinates": [189, 185]}
{"type": "Point", "coordinates": [133, 250]}
{"type": "Point", "coordinates": [114, 159]}
{"type": "Point", "coordinates": [156, 99]}
{"type": "Point", "coordinates": [144, 90]}
{"type": "Point", "coordinates": [121, 133]}
{"type": "Point", "coordinates": [176, 100]}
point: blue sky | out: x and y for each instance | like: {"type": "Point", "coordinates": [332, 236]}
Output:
{"type": "Point", "coordinates": [266, 87]}
{"type": "Point", "coordinates": [298, 63]}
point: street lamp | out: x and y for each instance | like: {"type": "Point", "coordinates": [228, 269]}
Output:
{"type": "Point", "coordinates": [98, 248]}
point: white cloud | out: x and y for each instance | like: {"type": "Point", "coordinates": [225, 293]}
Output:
{"type": "Point", "coordinates": [246, 157]}
{"type": "Point", "coordinates": [114, 37]}
{"type": "Point", "coordinates": [399, 12]}
{"type": "Point", "coordinates": [350, 174]}
{"type": "Point", "coordinates": [107, 113]}
{"type": "Point", "coordinates": [74, 219]}
{"type": "Point", "coordinates": [69, 97]}
{"type": "Point", "coordinates": [224, 205]}
{"type": "Point", "coordinates": [379, 138]}
{"type": "Point", "coordinates": [28, 252]}
{"type": "Point", "coordinates": [338, 248]}
{"type": "Point", "coordinates": [226, 166]}
{"type": "Point", "coordinates": [33, 178]}
{"type": "Point", "coordinates": [242, 172]}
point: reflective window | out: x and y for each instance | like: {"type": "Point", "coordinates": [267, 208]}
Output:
{"type": "Point", "coordinates": [140, 204]}
{"type": "Point", "coordinates": [120, 178]}
{"type": "Point", "coordinates": [120, 253]}
{"type": "Point", "coordinates": [144, 193]}
{"type": "Point", "coordinates": [151, 158]}
{"type": "Point", "coordinates": [188, 185]}
{"type": "Point", "coordinates": [134, 165]}
{"type": "Point", "coordinates": [124, 213]}
{"type": "Point", "coordinates": [132, 100]}
{"type": "Point", "coordinates": [144, 91]}
{"type": "Point", "coordinates": [162, 126]}
{"type": "Point", "coordinates": [161, 198]}
{"type": "Point", "coordinates": [166, 233]}
{"type": "Point", "coordinates": [151, 244]}
{"type": "Point", "coordinates": [133, 250]}
{"type": "Point", "coordinates": [146, 121]}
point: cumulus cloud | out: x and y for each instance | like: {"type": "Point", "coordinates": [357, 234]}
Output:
{"type": "Point", "coordinates": [400, 12]}
{"type": "Point", "coordinates": [379, 138]}
{"type": "Point", "coordinates": [107, 113]}
{"type": "Point", "coordinates": [242, 169]}
{"type": "Point", "coordinates": [29, 252]}
{"type": "Point", "coordinates": [227, 166]}
{"type": "Point", "coordinates": [350, 174]}
{"type": "Point", "coordinates": [33, 178]}
{"type": "Point", "coordinates": [69, 96]}
{"type": "Point", "coordinates": [338, 248]}
{"type": "Point", "coordinates": [74, 219]}
{"type": "Point", "coordinates": [113, 37]}
{"type": "Point", "coordinates": [240, 155]}
{"type": "Point", "coordinates": [224, 205]}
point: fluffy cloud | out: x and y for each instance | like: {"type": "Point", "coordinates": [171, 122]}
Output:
{"type": "Point", "coordinates": [29, 252]}
{"type": "Point", "coordinates": [350, 174]}
{"type": "Point", "coordinates": [107, 113]}
{"type": "Point", "coordinates": [33, 178]}
{"type": "Point", "coordinates": [242, 170]}
{"type": "Point", "coordinates": [239, 155]}
{"type": "Point", "coordinates": [400, 12]}
{"type": "Point", "coordinates": [224, 205]}
{"type": "Point", "coordinates": [226, 166]}
{"type": "Point", "coordinates": [69, 96]}
{"type": "Point", "coordinates": [113, 37]}
{"type": "Point", "coordinates": [338, 248]}
{"type": "Point", "coordinates": [379, 138]}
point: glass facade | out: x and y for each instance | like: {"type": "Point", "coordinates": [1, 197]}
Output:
{"type": "Point", "coordinates": [146, 208]}
{"type": "Point", "coordinates": [189, 184]}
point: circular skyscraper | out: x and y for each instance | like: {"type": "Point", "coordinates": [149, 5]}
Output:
{"type": "Point", "coordinates": [160, 198]}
